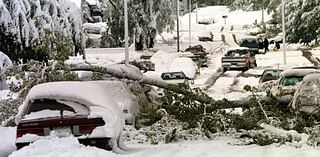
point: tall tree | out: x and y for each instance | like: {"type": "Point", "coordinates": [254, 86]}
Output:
{"type": "Point", "coordinates": [143, 24]}
{"type": "Point", "coordinates": [30, 20]}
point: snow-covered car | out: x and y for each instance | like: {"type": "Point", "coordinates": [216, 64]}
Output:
{"type": "Point", "coordinates": [196, 49]}
{"type": "Point", "coordinates": [178, 78]}
{"type": "Point", "coordinates": [269, 75]}
{"type": "Point", "coordinates": [185, 65]}
{"type": "Point", "coordinates": [269, 78]}
{"type": "Point", "coordinates": [206, 20]}
{"type": "Point", "coordinates": [253, 43]}
{"type": "Point", "coordinates": [85, 110]}
{"type": "Point", "coordinates": [205, 36]}
{"type": "Point", "coordinates": [307, 96]}
{"type": "Point", "coordinates": [287, 84]}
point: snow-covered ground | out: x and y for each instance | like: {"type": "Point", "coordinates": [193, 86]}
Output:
{"type": "Point", "coordinates": [229, 85]}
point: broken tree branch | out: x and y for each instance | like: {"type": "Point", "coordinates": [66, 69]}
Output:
{"type": "Point", "coordinates": [125, 71]}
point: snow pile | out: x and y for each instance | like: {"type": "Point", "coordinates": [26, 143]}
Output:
{"type": "Point", "coordinates": [186, 65]}
{"type": "Point", "coordinates": [163, 60]}
{"type": "Point", "coordinates": [8, 136]}
{"type": "Point", "coordinates": [166, 130]}
{"type": "Point", "coordinates": [60, 147]}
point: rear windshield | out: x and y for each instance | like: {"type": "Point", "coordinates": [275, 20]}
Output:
{"type": "Point", "coordinates": [249, 42]}
{"type": "Point", "coordinates": [173, 76]}
{"type": "Point", "coordinates": [54, 108]}
{"type": "Point", "coordinates": [272, 73]}
{"type": "Point", "coordinates": [237, 53]}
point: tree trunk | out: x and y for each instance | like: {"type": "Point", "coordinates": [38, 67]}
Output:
{"type": "Point", "coordinates": [308, 54]}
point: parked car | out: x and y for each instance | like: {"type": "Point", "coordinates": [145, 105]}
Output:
{"type": "Point", "coordinates": [253, 43]}
{"type": "Point", "coordinates": [269, 75]}
{"type": "Point", "coordinates": [287, 84]}
{"type": "Point", "coordinates": [307, 97]}
{"type": "Point", "coordinates": [81, 109]}
{"type": "Point", "coordinates": [198, 55]}
{"type": "Point", "coordinates": [197, 49]}
{"type": "Point", "coordinates": [206, 21]}
{"type": "Point", "coordinates": [240, 58]}
{"type": "Point", "coordinates": [206, 36]}
{"type": "Point", "coordinates": [178, 78]}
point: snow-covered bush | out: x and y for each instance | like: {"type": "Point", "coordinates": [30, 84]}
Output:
{"type": "Point", "coordinates": [26, 76]}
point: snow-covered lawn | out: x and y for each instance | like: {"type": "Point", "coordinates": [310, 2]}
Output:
{"type": "Point", "coordinates": [221, 146]}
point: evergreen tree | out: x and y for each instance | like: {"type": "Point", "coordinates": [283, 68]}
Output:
{"type": "Point", "coordinates": [26, 22]}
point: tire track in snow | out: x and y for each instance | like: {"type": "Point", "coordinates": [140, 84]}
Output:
{"type": "Point", "coordinates": [212, 80]}
{"type": "Point", "coordinates": [236, 80]}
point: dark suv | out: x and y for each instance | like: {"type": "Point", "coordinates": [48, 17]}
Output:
{"type": "Point", "coordinates": [253, 43]}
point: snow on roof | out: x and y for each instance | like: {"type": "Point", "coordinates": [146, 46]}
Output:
{"type": "Point", "coordinates": [186, 65]}
{"type": "Point", "coordinates": [237, 48]}
{"type": "Point", "coordinates": [298, 72]}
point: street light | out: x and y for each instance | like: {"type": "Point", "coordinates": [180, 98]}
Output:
{"type": "Point", "coordinates": [283, 35]}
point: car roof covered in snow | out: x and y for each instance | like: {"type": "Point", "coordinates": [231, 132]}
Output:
{"type": "Point", "coordinates": [238, 48]}
{"type": "Point", "coordinates": [298, 72]}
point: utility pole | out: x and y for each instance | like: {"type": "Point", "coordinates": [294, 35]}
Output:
{"type": "Point", "coordinates": [178, 36]}
{"type": "Point", "coordinates": [196, 12]}
{"type": "Point", "coordinates": [126, 32]}
{"type": "Point", "coordinates": [151, 8]}
{"type": "Point", "coordinates": [262, 18]}
{"type": "Point", "coordinates": [284, 35]}
{"type": "Point", "coordinates": [189, 23]}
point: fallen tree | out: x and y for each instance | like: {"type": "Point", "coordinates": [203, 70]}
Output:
{"type": "Point", "coordinates": [130, 72]}
{"type": "Point", "coordinates": [308, 55]}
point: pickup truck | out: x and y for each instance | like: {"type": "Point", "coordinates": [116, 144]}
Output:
{"type": "Point", "coordinates": [240, 58]}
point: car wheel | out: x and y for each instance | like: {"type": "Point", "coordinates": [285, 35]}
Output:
{"type": "Point", "coordinates": [224, 70]}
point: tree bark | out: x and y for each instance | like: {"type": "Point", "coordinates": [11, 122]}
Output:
{"type": "Point", "coordinates": [308, 54]}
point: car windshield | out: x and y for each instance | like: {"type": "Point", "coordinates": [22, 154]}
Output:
{"type": "Point", "coordinates": [270, 75]}
{"type": "Point", "coordinates": [235, 53]}
{"type": "Point", "coordinates": [291, 81]}
{"type": "Point", "coordinates": [173, 76]}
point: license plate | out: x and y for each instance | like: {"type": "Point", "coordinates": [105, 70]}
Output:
{"type": "Point", "coordinates": [61, 131]}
